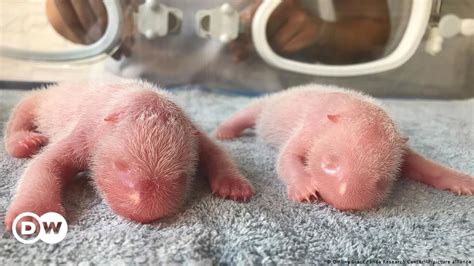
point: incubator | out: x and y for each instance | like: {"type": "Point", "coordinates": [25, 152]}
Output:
{"type": "Point", "coordinates": [404, 48]}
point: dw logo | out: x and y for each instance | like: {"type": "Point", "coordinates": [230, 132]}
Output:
{"type": "Point", "coordinates": [52, 228]}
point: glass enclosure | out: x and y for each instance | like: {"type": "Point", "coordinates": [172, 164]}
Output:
{"type": "Point", "coordinates": [161, 43]}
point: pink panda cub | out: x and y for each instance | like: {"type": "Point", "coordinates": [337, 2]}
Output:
{"type": "Point", "coordinates": [141, 148]}
{"type": "Point", "coordinates": [338, 145]}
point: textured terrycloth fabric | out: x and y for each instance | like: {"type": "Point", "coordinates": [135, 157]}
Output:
{"type": "Point", "coordinates": [416, 222]}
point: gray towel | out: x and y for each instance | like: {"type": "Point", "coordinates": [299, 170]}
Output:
{"type": "Point", "coordinates": [415, 223]}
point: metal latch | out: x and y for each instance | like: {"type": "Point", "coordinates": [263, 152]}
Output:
{"type": "Point", "coordinates": [157, 20]}
{"type": "Point", "coordinates": [221, 23]}
{"type": "Point", "coordinates": [449, 26]}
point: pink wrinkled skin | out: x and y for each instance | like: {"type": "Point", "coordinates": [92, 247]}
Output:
{"type": "Point", "coordinates": [338, 146]}
{"type": "Point", "coordinates": [141, 148]}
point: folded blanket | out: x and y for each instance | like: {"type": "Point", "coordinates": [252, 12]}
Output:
{"type": "Point", "coordinates": [415, 223]}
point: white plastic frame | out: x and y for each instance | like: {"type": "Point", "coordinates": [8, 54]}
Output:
{"type": "Point", "coordinates": [418, 22]}
{"type": "Point", "coordinates": [106, 44]}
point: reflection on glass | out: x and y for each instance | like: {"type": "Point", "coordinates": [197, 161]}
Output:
{"type": "Point", "coordinates": [24, 25]}
{"type": "Point", "coordinates": [84, 22]}
{"type": "Point", "coordinates": [315, 31]}
{"type": "Point", "coordinates": [331, 32]}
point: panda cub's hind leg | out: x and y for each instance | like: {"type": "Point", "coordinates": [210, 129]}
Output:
{"type": "Point", "coordinates": [21, 139]}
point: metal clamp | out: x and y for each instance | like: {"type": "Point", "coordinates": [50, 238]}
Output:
{"type": "Point", "coordinates": [157, 20]}
{"type": "Point", "coordinates": [449, 26]}
{"type": "Point", "coordinates": [221, 23]}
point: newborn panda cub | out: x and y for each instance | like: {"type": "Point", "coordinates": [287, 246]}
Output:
{"type": "Point", "coordinates": [338, 145]}
{"type": "Point", "coordinates": [141, 148]}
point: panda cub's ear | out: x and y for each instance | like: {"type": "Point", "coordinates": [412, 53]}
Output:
{"type": "Point", "coordinates": [405, 139]}
{"type": "Point", "coordinates": [334, 118]}
{"type": "Point", "coordinates": [114, 116]}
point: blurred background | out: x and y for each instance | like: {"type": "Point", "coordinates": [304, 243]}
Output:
{"type": "Point", "coordinates": [342, 36]}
